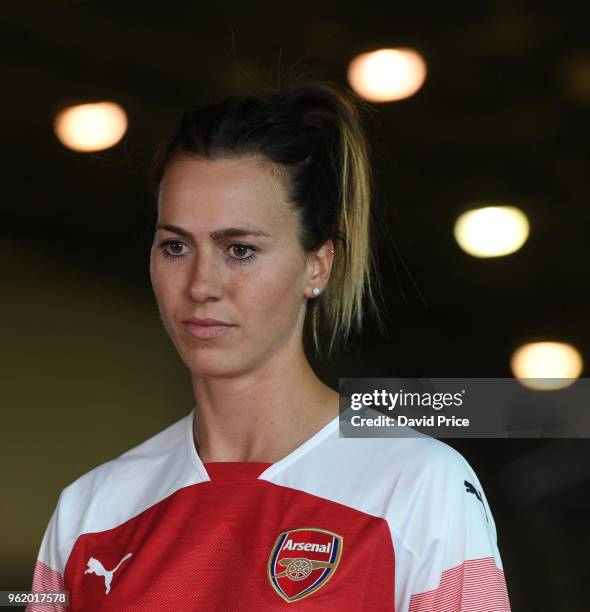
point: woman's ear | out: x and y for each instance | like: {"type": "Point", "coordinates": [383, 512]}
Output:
{"type": "Point", "coordinates": [320, 267]}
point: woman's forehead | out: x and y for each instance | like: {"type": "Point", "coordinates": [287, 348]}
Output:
{"type": "Point", "coordinates": [235, 182]}
{"type": "Point", "coordinates": [223, 191]}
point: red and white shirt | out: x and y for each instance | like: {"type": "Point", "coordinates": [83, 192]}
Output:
{"type": "Point", "coordinates": [345, 524]}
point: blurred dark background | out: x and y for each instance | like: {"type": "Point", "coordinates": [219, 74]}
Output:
{"type": "Point", "coordinates": [502, 117]}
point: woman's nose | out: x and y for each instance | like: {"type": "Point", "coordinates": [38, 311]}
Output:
{"type": "Point", "coordinates": [206, 276]}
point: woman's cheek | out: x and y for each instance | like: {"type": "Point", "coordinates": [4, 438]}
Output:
{"type": "Point", "coordinates": [280, 308]}
{"type": "Point", "coordinates": [166, 299]}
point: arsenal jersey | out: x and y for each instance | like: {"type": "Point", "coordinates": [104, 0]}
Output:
{"type": "Point", "coordinates": [345, 524]}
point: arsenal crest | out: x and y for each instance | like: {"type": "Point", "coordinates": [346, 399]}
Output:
{"type": "Point", "coordinates": [302, 561]}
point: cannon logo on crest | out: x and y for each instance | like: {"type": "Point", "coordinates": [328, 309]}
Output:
{"type": "Point", "coordinates": [302, 561]}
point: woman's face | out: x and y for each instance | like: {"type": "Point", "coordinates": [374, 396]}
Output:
{"type": "Point", "coordinates": [256, 283]}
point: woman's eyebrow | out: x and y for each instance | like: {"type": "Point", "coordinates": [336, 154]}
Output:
{"type": "Point", "coordinates": [216, 234]}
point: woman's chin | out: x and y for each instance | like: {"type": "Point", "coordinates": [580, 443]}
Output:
{"type": "Point", "coordinates": [215, 367]}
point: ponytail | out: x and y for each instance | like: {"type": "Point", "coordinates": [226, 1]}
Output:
{"type": "Point", "coordinates": [354, 277]}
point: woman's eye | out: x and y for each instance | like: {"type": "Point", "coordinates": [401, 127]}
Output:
{"type": "Point", "coordinates": [240, 251]}
{"type": "Point", "coordinates": [171, 244]}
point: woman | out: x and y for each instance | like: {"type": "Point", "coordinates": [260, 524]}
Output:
{"type": "Point", "coordinates": [253, 501]}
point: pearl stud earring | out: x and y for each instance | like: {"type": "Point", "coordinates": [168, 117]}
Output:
{"type": "Point", "coordinates": [316, 291]}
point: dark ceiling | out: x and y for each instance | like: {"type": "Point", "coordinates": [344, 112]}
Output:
{"type": "Point", "coordinates": [502, 118]}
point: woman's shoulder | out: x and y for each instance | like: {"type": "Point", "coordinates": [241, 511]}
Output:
{"type": "Point", "coordinates": [115, 490]}
{"type": "Point", "coordinates": [152, 449]}
{"type": "Point", "coordinates": [415, 482]}
{"type": "Point", "coordinates": [379, 473]}
{"type": "Point", "coordinates": [400, 448]}
{"type": "Point", "coordinates": [428, 468]}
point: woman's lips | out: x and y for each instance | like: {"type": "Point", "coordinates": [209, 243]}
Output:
{"type": "Point", "coordinates": [206, 332]}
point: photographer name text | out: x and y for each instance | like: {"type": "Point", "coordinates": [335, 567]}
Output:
{"type": "Point", "coordinates": [401, 421]}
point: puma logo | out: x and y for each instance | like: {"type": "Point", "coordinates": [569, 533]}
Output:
{"type": "Point", "coordinates": [96, 567]}
{"type": "Point", "coordinates": [469, 488]}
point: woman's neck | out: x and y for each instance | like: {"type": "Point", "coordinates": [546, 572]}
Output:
{"type": "Point", "coordinates": [260, 419]}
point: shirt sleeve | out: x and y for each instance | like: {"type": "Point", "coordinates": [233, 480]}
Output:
{"type": "Point", "coordinates": [48, 573]}
{"type": "Point", "coordinates": [450, 559]}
